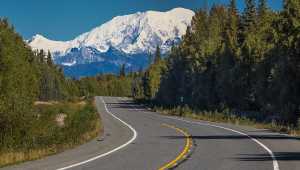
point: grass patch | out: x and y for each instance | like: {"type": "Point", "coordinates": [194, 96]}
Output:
{"type": "Point", "coordinates": [56, 126]}
{"type": "Point", "coordinates": [227, 117]}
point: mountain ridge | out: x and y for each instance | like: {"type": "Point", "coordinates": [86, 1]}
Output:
{"type": "Point", "coordinates": [131, 35]}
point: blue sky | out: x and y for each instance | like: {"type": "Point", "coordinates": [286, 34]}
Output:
{"type": "Point", "coordinates": [66, 19]}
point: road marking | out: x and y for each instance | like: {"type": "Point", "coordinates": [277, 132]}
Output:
{"type": "Point", "coordinates": [113, 150]}
{"type": "Point", "coordinates": [275, 163]}
{"type": "Point", "coordinates": [184, 152]}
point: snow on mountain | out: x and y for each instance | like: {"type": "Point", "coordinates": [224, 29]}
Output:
{"type": "Point", "coordinates": [68, 63]}
{"type": "Point", "coordinates": [135, 33]}
{"type": "Point", "coordinates": [125, 38]}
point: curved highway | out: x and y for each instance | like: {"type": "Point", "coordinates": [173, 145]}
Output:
{"type": "Point", "coordinates": [137, 139]}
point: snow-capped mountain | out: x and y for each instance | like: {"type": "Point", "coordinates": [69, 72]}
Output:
{"type": "Point", "coordinates": [124, 39]}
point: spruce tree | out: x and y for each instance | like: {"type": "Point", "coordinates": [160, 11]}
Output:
{"type": "Point", "coordinates": [225, 60]}
{"type": "Point", "coordinates": [249, 16]}
{"type": "Point", "coordinates": [262, 8]}
{"type": "Point", "coordinates": [146, 85]}
{"type": "Point", "coordinates": [232, 7]}
{"type": "Point", "coordinates": [49, 59]}
{"type": "Point", "coordinates": [157, 57]}
{"type": "Point", "coordinates": [1, 57]}
{"type": "Point", "coordinates": [122, 70]}
{"type": "Point", "coordinates": [232, 29]}
{"type": "Point", "coordinates": [289, 43]}
{"type": "Point", "coordinates": [41, 56]}
{"type": "Point", "coordinates": [18, 87]}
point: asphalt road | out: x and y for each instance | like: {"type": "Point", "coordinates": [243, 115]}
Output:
{"type": "Point", "coordinates": [137, 139]}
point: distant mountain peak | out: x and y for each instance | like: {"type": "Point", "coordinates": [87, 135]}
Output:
{"type": "Point", "coordinates": [38, 36]}
{"type": "Point", "coordinates": [132, 34]}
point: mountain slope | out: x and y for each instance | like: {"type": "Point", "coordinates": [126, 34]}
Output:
{"type": "Point", "coordinates": [128, 36]}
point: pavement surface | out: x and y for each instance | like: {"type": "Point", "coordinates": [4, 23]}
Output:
{"type": "Point", "coordinates": [138, 139]}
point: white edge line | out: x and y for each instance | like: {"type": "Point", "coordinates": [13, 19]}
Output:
{"type": "Point", "coordinates": [111, 151]}
{"type": "Point", "coordinates": [275, 163]}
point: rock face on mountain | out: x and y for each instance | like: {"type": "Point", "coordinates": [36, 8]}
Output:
{"type": "Point", "coordinates": [124, 40]}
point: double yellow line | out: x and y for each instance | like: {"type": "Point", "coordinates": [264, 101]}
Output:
{"type": "Point", "coordinates": [184, 152]}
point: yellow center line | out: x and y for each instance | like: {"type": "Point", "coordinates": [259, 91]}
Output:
{"type": "Point", "coordinates": [184, 152]}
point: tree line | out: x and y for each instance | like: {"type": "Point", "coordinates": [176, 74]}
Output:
{"type": "Point", "coordinates": [26, 76]}
{"type": "Point", "coordinates": [248, 62]}
{"type": "Point", "coordinates": [105, 85]}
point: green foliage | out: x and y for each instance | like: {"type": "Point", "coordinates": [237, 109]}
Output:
{"type": "Point", "coordinates": [55, 127]}
{"type": "Point", "coordinates": [151, 79]}
{"type": "Point", "coordinates": [249, 16]}
{"type": "Point", "coordinates": [18, 84]}
{"type": "Point", "coordinates": [137, 85]}
{"type": "Point", "coordinates": [123, 70]}
{"type": "Point", "coordinates": [157, 57]}
{"type": "Point", "coordinates": [262, 8]}
{"type": "Point", "coordinates": [247, 62]}
{"type": "Point", "coordinates": [25, 78]}
{"type": "Point", "coordinates": [52, 83]}
{"type": "Point", "coordinates": [77, 122]}
{"type": "Point", "coordinates": [105, 85]}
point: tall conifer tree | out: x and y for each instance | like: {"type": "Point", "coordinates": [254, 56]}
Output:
{"type": "Point", "coordinates": [123, 70]}
{"type": "Point", "coordinates": [157, 57]}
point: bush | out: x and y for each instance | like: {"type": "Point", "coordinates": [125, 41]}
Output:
{"type": "Point", "coordinates": [56, 127]}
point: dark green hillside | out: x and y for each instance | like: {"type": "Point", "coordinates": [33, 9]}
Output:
{"type": "Point", "coordinates": [247, 63]}
{"type": "Point", "coordinates": [40, 110]}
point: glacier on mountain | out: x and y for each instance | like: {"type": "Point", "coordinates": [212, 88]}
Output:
{"type": "Point", "coordinates": [120, 40]}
